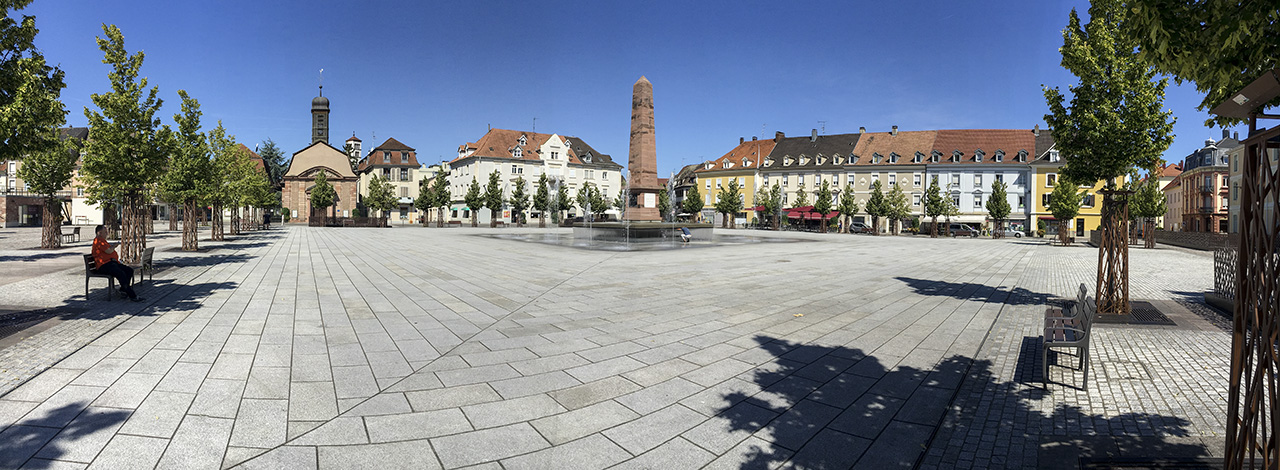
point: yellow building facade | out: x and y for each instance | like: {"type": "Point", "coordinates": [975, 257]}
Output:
{"type": "Point", "coordinates": [1090, 215]}
{"type": "Point", "coordinates": [740, 164]}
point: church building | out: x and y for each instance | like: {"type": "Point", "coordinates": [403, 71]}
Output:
{"type": "Point", "coordinates": [317, 157]}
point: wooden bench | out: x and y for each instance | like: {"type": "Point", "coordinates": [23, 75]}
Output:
{"type": "Point", "coordinates": [73, 235]}
{"type": "Point", "coordinates": [145, 265]}
{"type": "Point", "coordinates": [1070, 329]}
{"type": "Point", "coordinates": [89, 272]}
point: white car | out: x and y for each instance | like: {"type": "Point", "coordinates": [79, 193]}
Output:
{"type": "Point", "coordinates": [1008, 232]}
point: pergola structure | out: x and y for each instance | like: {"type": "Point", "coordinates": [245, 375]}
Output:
{"type": "Point", "coordinates": [1252, 412]}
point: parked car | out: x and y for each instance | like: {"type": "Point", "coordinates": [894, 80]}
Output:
{"type": "Point", "coordinates": [962, 230]}
{"type": "Point", "coordinates": [859, 227]}
{"type": "Point", "coordinates": [1008, 232]}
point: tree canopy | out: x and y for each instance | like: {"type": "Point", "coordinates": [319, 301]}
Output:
{"type": "Point", "coordinates": [272, 160]}
{"type": "Point", "coordinates": [322, 193]}
{"type": "Point", "coordinates": [474, 199]}
{"type": "Point", "coordinates": [1219, 46]}
{"type": "Point", "coordinates": [802, 198]}
{"type": "Point", "coordinates": [189, 166]}
{"type": "Point", "coordinates": [897, 206]}
{"type": "Point", "coordinates": [1115, 119]}
{"type": "Point", "coordinates": [848, 204]}
{"type": "Point", "coordinates": [998, 205]}
{"type": "Point", "coordinates": [693, 201]}
{"type": "Point", "coordinates": [29, 89]}
{"type": "Point", "coordinates": [519, 199]}
{"type": "Point", "coordinates": [381, 197]}
{"type": "Point", "coordinates": [542, 196]}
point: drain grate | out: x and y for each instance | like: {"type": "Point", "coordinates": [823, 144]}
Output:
{"type": "Point", "coordinates": [1146, 314]}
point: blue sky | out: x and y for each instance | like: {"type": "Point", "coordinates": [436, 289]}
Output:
{"type": "Point", "coordinates": [436, 74]}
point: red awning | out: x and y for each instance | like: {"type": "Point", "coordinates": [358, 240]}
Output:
{"type": "Point", "coordinates": [757, 209]}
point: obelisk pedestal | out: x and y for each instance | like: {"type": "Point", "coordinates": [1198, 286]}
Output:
{"type": "Point", "coordinates": [642, 159]}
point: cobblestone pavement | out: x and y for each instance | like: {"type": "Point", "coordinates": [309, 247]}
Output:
{"type": "Point", "coordinates": [435, 348]}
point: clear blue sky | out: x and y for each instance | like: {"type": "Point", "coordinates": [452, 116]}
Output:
{"type": "Point", "coordinates": [435, 74]}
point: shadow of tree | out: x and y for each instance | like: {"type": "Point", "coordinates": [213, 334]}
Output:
{"type": "Point", "coordinates": [836, 407]}
{"type": "Point", "coordinates": [37, 441]}
{"type": "Point", "coordinates": [38, 257]}
{"type": "Point", "coordinates": [977, 292]}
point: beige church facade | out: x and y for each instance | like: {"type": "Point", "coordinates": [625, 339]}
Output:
{"type": "Point", "coordinates": [308, 162]}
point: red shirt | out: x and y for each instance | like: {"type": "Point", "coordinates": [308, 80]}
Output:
{"type": "Point", "coordinates": [100, 254]}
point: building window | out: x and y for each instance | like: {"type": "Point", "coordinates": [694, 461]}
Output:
{"type": "Point", "coordinates": [977, 201]}
{"type": "Point", "coordinates": [386, 156]}
{"type": "Point", "coordinates": [1053, 156]}
{"type": "Point", "coordinates": [1022, 201]}
{"type": "Point", "coordinates": [893, 179]}
{"type": "Point", "coordinates": [893, 157]}
{"type": "Point", "coordinates": [404, 174]}
{"type": "Point", "coordinates": [955, 200]}
{"type": "Point", "coordinates": [977, 180]}
{"type": "Point", "coordinates": [1235, 192]}
{"type": "Point", "coordinates": [977, 156]}
{"type": "Point", "coordinates": [708, 185]}
{"type": "Point", "coordinates": [404, 157]}
{"type": "Point", "coordinates": [875, 177]}
{"type": "Point", "coordinates": [915, 200]}
{"type": "Point", "coordinates": [1087, 201]}
{"type": "Point", "coordinates": [955, 179]}
{"type": "Point", "coordinates": [918, 158]}
{"type": "Point", "coordinates": [80, 191]}
{"type": "Point", "coordinates": [386, 173]}
{"type": "Point", "coordinates": [404, 191]}
{"type": "Point", "coordinates": [800, 180]}
{"type": "Point", "coordinates": [915, 180]}
{"type": "Point", "coordinates": [518, 152]}
{"type": "Point", "coordinates": [604, 175]}
{"type": "Point", "coordinates": [999, 177]}
{"type": "Point", "coordinates": [1050, 179]}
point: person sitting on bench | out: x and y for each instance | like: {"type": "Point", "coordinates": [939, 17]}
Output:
{"type": "Point", "coordinates": [108, 262]}
{"type": "Point", "coordinates": [685, 236]}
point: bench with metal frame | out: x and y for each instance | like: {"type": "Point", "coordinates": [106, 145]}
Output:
{"type": "Point", "coordinates": [72, 236]}
{"type": "Point", "coordinates": [1070, 329]}
{"type": "Point", "coordinates": [145, 265]}
{"type": "Point", "coordinates": [90, 272]}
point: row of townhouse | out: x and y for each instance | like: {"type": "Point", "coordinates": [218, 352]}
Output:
{"type": "Point", "coordinates": [965, 162]}
{"type": "Point", "coordinates": [1198, 198]}
{"type": "Point", "coordinates": [566, 161]}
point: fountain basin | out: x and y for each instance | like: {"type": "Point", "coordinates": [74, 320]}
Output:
{"type": "Point", "coordinates": [638, 232]}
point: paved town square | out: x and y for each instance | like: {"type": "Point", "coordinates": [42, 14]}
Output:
{"type": "Point", "coordinates": [446, 348]}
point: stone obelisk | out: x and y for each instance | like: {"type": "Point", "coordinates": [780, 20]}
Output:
{"type": "Point", "coordinates": [642, 159]}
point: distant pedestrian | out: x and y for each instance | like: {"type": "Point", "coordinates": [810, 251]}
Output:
{"type": "Point", "coordinates": [108, 262]}
{"type": "Point", "coordinates": [685, 235]}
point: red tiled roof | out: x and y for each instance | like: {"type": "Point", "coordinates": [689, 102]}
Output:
{"type": "Point", "coordinates": [662, 181]}
{"type": "Point", "coordinates": [969, 141]}
{"type": "Point", "coordinates": [254, 157]}
{"type": "Point", "coordinates": [501, 143]}
{"type": "Point", "coordinates": [746, 155]}
{"type": "Point", "coordinates": [905, 144]}
{"type": "Point", "coordinates": [353, 138]}
{"type": "Point", "coordinates": [1171, 170]}
{"type": "Point", "coordinates": [377, 156]}
{"type": "Point", "coordinates": [1175, 182]}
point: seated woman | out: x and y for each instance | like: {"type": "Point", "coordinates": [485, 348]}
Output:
{"type": "Point", "coordinates": [108, 262]}
{"type": "Point", "coordinates": [685, 235]}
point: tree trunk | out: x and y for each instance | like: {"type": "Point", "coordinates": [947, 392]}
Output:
{"type": "Point", "coordinates": [1112, 292]}
{"type": "Point", "coordinates": [173, 217]}
{"type": "Point", "coordinates": [235, 220]}
{"type": "Point", "coordinates": [474, 221]}
{"type": "Point", "coordinates": [542, 219]}
{"type": "Point", "coordinates": [440, 217]}
{"type": "Point", "coordinates": [933, 227]}
{"type": "Point", "coordinates": [875, 225]}
{"type": "Point", "coordinates": [1149, 233]}
{"type": "Point", "coordinates": [148, 223]}
{"type": "Point", "coordinates": [493, 218]}
{"type": "Point", "coordinates": [132, 236]}
{"type": "Point", "coordinates": [190, 229]}
{"type": "Point", "coordinates": [51, 227]}
{"type": "Point", "coordinates": [215, 222]}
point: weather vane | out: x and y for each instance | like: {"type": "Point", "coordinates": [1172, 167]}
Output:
{"type": "Point", "coordinates": [321, 82]}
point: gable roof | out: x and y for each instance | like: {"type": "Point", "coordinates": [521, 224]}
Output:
{"type": "Point", "coordinates": [319, 155]}
{"type": "Point", "coordinates": [885, 144]}
{"type": "Point", "coordinates": [969, 141]}
{"type": "Point", "coordinates": [1170, 170]}
{"type": "Point", "coordinates": [392, 144]}
{"type": "Point", "coordinates": [376, 156]}
{"type": "Point", "coordinates": [746, 156]}
{"type": "Point", "coordinates": [824, 152]}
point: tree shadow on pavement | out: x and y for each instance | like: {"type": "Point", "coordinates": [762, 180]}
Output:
{"type": "Point", "coordinates": [36, 441]}
{"type": "Point", "coordinates": [162, 295]}
{"type": "Point", "coordinates": [974, 291]}
{"type": "Point", "coordinates": [836, 407]}
{"type": "Point", "coordinates": [38, 256]}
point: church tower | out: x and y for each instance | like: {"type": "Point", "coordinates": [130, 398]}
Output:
{"type": "Point", "coordinates": [320, 118]}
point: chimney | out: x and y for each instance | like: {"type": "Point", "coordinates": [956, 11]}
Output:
{"type": "Point", "coordinates": [895, 131]}
{"type": "Point", "coordinates": [741, 140]}
{"type": "Point", "coordinates": [778, 136]}
{"type": "Point", "coordinates": [753, 138]}
{"type": "Point", "coordinates": [1036, 130]}
{"type": "Point", "coordinates": [814, 137]}
{"type": "Point", "coordinates": [1226, 133]}
{"type": "Point", "coordinates": [862, 130]}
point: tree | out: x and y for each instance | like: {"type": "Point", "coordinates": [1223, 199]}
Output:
{"type": "Point", "coordinates": [693, 202]}
{"type": "Point", "coordinates": [949, 210]}
{"type": "Point", "coordinates": [664, 202]}
{"type": "Point", "coordinates": [877, 206]}
{"type": "Point", "coordinates": [563, 201]}
{"type": "Point", "coordinates": [46, 172]}
{"type": "Point", "coordinates": [848, 206]}
{"type": "Point", "coordinates": [441, 196]}
{"type": "Point", "coordinates": [240, 184]}
{"type": "Point", "coordinates": [29, 90]}
{"type": "Point", "coordinates": [584, 200]}
{"type": "Point", "coordinates": [934, 205]}
{"type": "Point", "coordinates": [493, 197]}
{"type": "Point", "coordinates": [474, 199]}
{"type": "Point", "coordinates": [620, 202]}
{"type": "Point", "coordinates": [425, 200]}
{"type": "Point", "coordinates": [998, 206]}
{"type": "Point", "coordinates": [322, 196]}
{"type": "Point", "coordinates": [126, 151]}
{"type": "Point", "coordinates": [1064, 203]}
{"type": "Point", "coordinates": [1149, 203]}
{"type": "Point", "coordinates": [898, 209]}
{"type": "Point", "coordinates": [729, 203]}
{"type": "Point", "coordinates": [822, 204]}
{"type": "Point", "coordinates": [381, 198]}
{"type": "Point", "coordinates": [272, 161]}
{"type": "Point", "coordinates": [1116, 121]}
{"type": "Point", "coordinates": [599, 202]}
{"type": "Point", "coordinates": [353, 158]}
{"type": "Point", "coordinates": [519, 201]}
{"type": "Point", "coordinates": [1219, 46]}
{"type": "Point", "coordinates": [802, 199]}
{"type": "Point", "coordinates": [773, 205]}
{"type": "Point", "coordinates": [189, 169]}
{"type": "Point", "coordinates": [542, 200]}
{"type": "Point", "coordinates": [220, 191]}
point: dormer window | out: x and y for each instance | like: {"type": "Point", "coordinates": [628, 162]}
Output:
{"type": "Point", "coordinates": [768, 162]}
{"type": "Point", "coordinates": [523, 141]}
{"type": "Point", "coordinates": [386, 156]}
{"type": "Point", "coordinates": [918, 158]}
{"type": "Point", "coordinates": [935, 156]}
{"type": "Point", "coordinates": [746, 162]}
{"type": "Point", "coordinates": [837, 160]}
{"type": "Point", "coordinates": [1022, 156]}
{"type": "Point", "coordinates": [519, 153]}
{"type": "Point", "coordinates": [821, 159]}
{"type": "Point", "coordinates": [726, 164]}
{"type": "Point", "coordinates": [1053, 156]}
{"type": "Point", "coordinates": [893, 157]}
{"type": "Point", "coordinates": [955, 156]}
{"type": "Point", "coordinates": [804, 160]}
{"type": "Point", "coordinates": [404, 157]}
{"type": "Point", "coordinates": [876, 158]}
{"type": "Point", "coordinates": [786, 161]}
{"type": "Point", "coordinates": [977, 155]}
{"type": "Point", "coordinates": [999, 155]}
